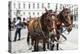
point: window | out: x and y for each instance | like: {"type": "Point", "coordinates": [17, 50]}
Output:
{"type": "Point", "coordinates": [38, 5]}
{"type": "Point", "coordinates": [33, 13]}
{"type": "Point", "coordinates": [14, 13]}
{"type": "Point", "coordinates": [29, 14]}
{"type": "Point", "coordinates": [75, 18]}
{"type": "Point", "coordinates": [29, 5]}
{"type": "Point", "coordinates": [19, 5]}
{"type": "Point", "coordinates": [14, 5]}
{"type": "Point", "coordinates": [48, 5]}
{"type": "Point", "coordinates": [42, 5]}
{"type": "Point", "coordinates": [56, 7]}
{"type": "Point", "coordinates": [33, 5]}
{"type": "Point", "coordinates": [18, 11]}
{"type": "Point", "coordinates": [61, 6]}
{"type": "Point", "coordinates": [24, 5]}
{"type": "Point", "coordinates": [37, 13]}
{"type": "Point", "coordinates": [23, 13]}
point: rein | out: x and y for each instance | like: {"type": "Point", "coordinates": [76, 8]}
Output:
{"type": "Point", "coordinates": [41, 28]}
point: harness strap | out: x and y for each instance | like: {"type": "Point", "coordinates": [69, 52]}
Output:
{"type": "Point", "coordinates": [41, 28]}
{"type": "Point", "coordinates": [62, 35]}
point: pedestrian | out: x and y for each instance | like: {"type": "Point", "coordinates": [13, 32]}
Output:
{"type": "Point", "coordinates": [24, 22]}
{"type": "Point", "coordinates": [9, 29]}
{"type": "Point", "coordinates": [19, 26]}
{"type": "Point", "coordinates": [14, 21]}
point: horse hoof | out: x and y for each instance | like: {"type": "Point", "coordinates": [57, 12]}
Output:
{"type": "Point", "coordinates": [44, 49]}
{"type": "Point", "coordinates": [51, 49]}
{"type": "Point", "coordinates": [57, 49]}
{"type": "Point", "coordinates": [34, 50]}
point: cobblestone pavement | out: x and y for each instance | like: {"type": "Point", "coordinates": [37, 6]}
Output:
{"type": "Point", "coordinates": [22, 46]}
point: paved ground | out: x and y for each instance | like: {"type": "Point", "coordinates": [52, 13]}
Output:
{"type": "Point", "coordinates": [72, 41]}
{"type": "Point", "coordinates": [21, 46]}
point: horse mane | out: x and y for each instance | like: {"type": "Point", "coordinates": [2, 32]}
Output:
{"type": "Point", "coordinates": [42, 21]}
{"type": "Point", "coordinates": [45, 14]}
{"type": "Point", "coordinates": [60, 16]}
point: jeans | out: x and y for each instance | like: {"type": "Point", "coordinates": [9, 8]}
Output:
{"type": "Point", "coordinates": [18, 31]}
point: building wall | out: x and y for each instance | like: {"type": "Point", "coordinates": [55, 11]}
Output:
{"type": "Point", "coordinates": [35, 9]}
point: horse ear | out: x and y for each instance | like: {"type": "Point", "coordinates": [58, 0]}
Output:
{"type": "Point", "coordinates": [46, 10]}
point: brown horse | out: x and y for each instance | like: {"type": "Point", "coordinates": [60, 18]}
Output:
{"type": "Point", "coordinates": [39, 29]}
{"type": "Point", "coordinates": [65, 18]}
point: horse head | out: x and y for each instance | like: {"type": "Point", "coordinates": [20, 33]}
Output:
{"type": "Point", "coordinates": [66, 18]}
{"type": "Point", "coordinates": [49, 21]}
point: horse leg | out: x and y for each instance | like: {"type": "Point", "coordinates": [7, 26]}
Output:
{"type": "Point", "coordinates": [57, 46]}
{"type": "Point", "coordinates": [58, 43]}
{"type": "Point", "coordinates": [44, 47]}
{"type": "Point", "coordinates": [28, 38]}
{"type": "Point", "coordinates": [48, 45]}
{"type": "Point", "coordinates": [32, 41]}
{"type": "Point", "coordinates": [36, 46]}
{"type": "Point", "coordinates": [52, 45]}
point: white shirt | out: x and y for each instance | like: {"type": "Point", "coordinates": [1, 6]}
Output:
{"type": "Point", "coordinates": [17, 22]}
